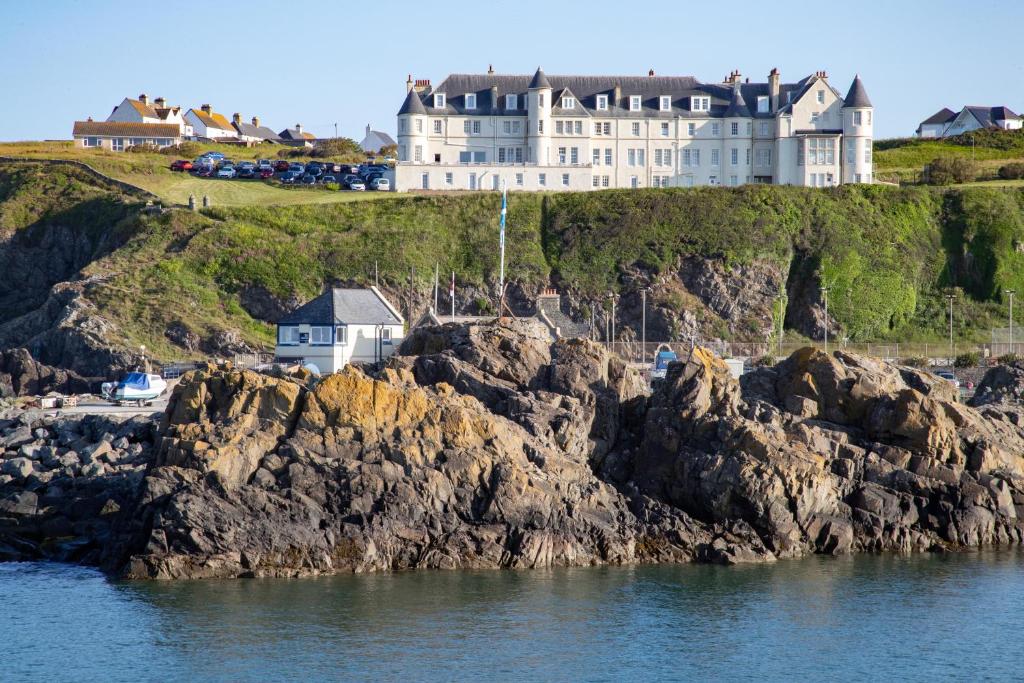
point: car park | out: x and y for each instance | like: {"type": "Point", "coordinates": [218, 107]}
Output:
{"type": "Point", "coordinates": [181, 165]}
{"type": "Point", "coordinates": [297, 168]}
{"type": "Point", "coordinates": [356, 184]}
{"type": "Point", "coordinates": [380, 184]}
{"type": "Point", "coordinates": [308, 179]}
{"type": "Point", "coordinates": [249, 172]}
{"type": "Point", "coordinates": [281, 165]}
{"type": "Point", "coordinates": [226, 172]}
{"type": "Point", "coordinates": [289, 177]}
{"type": "Point", "coordinates": [264, 163]}
{"type": "Point", "coordinates": [225, 163]}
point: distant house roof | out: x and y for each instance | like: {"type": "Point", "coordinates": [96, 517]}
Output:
{"type": "Point", "coordinates": [339, 306]}
{"type": "Point", "coordinates": [375, 139]}
{"type": "Point", "coordinates": [295, 134]}
{"type": "Point", "coordinates": [212, 120]}
{"type": "Point", "coordinates": [987, 116]}
{"type": "Point", "coordinates": [164, 112]}
{"type": "Point", "coordinates": [262, 132]}
{"type": "Point", "coordinates": [943, 115]}
{"type": "Point", "coordinates": [127, 129]}
{"type": "Point", "coordinates": [143, 109]}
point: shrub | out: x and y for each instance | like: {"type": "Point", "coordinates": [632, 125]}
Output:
{"type": "Point", "coordinates": [967, 360]}
{"type": "Point", "coordinates": [144, 148]}
{"type": "Point", "coordinates": [332, 186]}
{"type": "Point", "coordinates": [186, 150]}
{"type": "Point", "coordinates": [484, 306]}
{"type": "Point", "coordinates": [1008, 359]}
{"type": "Point", "coordinates": [765, 361]}
{"type": "Point", "coordinates": [345, 149]}
{"type": "Point", "coordinates": [915, 362]}
{"type": "Point", "coordinates": [947, 170]}
{"type": "Point", "coordinates": [1014, 171]}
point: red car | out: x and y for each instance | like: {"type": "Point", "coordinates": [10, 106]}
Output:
{"type": "Point", "coordinates": [281, 166]}
{"type": "Point", "coordinates": [181, 165]}
{"type": "Point", "coordinates": [265, 173]}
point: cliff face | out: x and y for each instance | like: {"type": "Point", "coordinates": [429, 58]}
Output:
{"type": "Point", "coordinates": [486, 446]}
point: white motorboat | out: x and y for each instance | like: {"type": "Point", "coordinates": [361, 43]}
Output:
{"type": "Point", "coordinates": [136, 387]}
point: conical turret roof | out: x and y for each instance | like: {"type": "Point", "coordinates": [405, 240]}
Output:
{"type": "Point", "coordinates": [539, 80]}
{"type": "Point", "coordinates": [858, 96]}
{"type": "Point", "coordinates": [412, 105]}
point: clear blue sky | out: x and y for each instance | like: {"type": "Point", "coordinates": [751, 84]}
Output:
{"type": "Point", "coordinates": [321, 63]}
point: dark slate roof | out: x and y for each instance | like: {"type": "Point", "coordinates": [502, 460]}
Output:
{"type": "Point", "coordinates": [261, 132]}
{"type": "Point", "coordinates": [294, 134]}
{"type": "Point", "coordinates": [987, 116]}
{"type": "Point", "coordinates": [737, 106]}
{"type": "Point", "coordinates": [586, 89]}
{"type": "Point", "coordinates": [539, 80]}
{"type": "Point", "coordinates": [412, 105]}
{"type": "Point", "coordinates": [944, 115]}
{"type": "Point", "coordinates": [858, 96]}
{"type": "Point", "coordinates": [345, 307]}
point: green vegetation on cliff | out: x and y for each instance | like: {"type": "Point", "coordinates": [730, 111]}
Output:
{"type": "Point", "coordinates": [888, 255]}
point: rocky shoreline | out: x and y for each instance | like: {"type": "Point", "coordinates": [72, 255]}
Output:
{"type": "Point", "coordinates": [488, 446]}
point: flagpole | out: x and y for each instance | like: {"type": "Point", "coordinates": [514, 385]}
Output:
{"type": "Point", "coordinates": [501, 271]}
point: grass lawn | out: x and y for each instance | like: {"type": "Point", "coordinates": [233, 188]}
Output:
{"type": "Point", "coordinates": [151, 172]}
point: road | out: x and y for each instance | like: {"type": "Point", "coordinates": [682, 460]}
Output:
{"type": "Point", "coordinates": [94, 405]}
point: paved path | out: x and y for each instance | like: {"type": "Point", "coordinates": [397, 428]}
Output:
{"type": "Point", "coordinates": [94, 405]}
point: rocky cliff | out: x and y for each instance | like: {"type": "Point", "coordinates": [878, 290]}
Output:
{"type": "Point", "coordinates": [489, 446]}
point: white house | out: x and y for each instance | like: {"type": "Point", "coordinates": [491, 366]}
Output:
{"type": "Point", "coordinates": [374, 140]}
{"type": "Point", "coordinates": [208, 124]}
{"type": "Point", "coordinates": [539, 132]}
{"type": "Point", "coordinates": [338, 327]}
{"type": "Point", "coordinates": [946, 123]}
{"type": "Point", "coordinates": [144, 110]}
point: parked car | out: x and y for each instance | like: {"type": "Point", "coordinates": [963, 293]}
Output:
{"type": "Point", "coordinates": [281, 165]}
{"type": "Point", "coordinates": [328, 179]}
{"type": "Point", "coordinates": [331, 167]}
{"type": "Point", "coordinates": [212, 156]}
{"type": "Point", "coordinates": [181, 165]}
{"type": "Point", "coordinates": [246, 164]}
{"type": "Point", "coordinates": [204, 171]}
{"type": "Point", "coordinates": [356, 184]}
{"type": "Point", "coordinates": [226, 172]}
{"type": "Point", "coordinates": [315, 169]}
{"type": "Point", "coordinates": [246, 173]}
{"type": "Point", "coordinates": [298, 168]}
{"type": "Point", "coordinates": [264, 163]}
{"type": "Point", "coordinates": [265, 173]}
{"type": "Point", "coordinates": [289, 177]}
{"type": "Point", "coordinates": [225, 163]}
{"type": "Point", "coordinates": [380, 184]}
{"type": "Point", "coordinates": [307, 179]}
{"type": "Point", "coordinates": [949, 376]}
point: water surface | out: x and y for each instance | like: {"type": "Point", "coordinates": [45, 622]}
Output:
{"type": "Point", "coordinates": [866, 618]}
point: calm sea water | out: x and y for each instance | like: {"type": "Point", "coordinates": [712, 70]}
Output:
{"type": "Point", "coordinates": [853, 619]}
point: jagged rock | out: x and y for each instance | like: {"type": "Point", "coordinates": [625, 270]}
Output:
{"type": "Point", "coordinates": [1001, 384]}
{"type": "Point", "coordinates": [179, 333]}
{"type": "Point", "coordinates": [19, 468]}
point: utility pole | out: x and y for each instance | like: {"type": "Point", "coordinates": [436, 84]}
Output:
{"type": "Point", "coordinates": [376, 279]}
{"type": "Point", "coordinates": [824, 294]}
{"type": "Point", "coordinates": [437, 284]}
{"type": "Point", "coordinates": [950, 297]}
{"type": "Point", "coordinates": [1011, 292]}
{"type": "Point", "coordinates": [611, 340]}
{"type": "Point", "coordinates": [643, 326]}
{"type": "Point", "coordinates": [501, 240]}
{"type": "Point", "coordinates": [335, 131]}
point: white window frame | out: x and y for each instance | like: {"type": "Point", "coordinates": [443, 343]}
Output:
{"type": "Point", "coordinates": [288, 339]}
{"type": "Point", "coordinates": [691, 129]}
{"type": "Point", "coordinates": [476, 127]}
{"type": "Point", "coordinates": [471, 100]}
{"type": "Point", "coordinates": [765, 129]}
{"type": "Point", "coordinates": [385, 336]}
{"type": "Point", "coordinates": [821, 96]}
{"type": "Point", "coordinates": [565, 180]}
{"type": "Point", "coordinates": [716, 129]}
{"type": "Point", "coordinates": [664, 129]}
{"type": "Point", "coordinates": [665, 103]}
{"type": "Point", "coordinates": [602, 103]}
{"type": "Point", "coordinates": [762, 104]}
{"type": "Point", "coordinates": [857, 118]}
{"type": "Point", "coordinates": [511, 101]}
{"type": "Point", "coordinates": [635, 103]}
{"type": "Point", "coordinates": [438, 127]}
{"type": "Point", "coordinates": [636, 128]}
{"type": "Point", "coordinates": [318, 331]}
{"type": "Point", "coordinates": [341, 335]}
{"type": "Point", "coordinates": [439, 100]}
{"type": "Point", "coordinates": [700, 103]}
{"type": "Point", "coordinates": [568, 102]}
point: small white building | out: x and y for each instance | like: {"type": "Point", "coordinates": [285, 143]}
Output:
{"type": "Point", "coordinates": [208, 124]}
{"type": "Point", "coordinates": [339, 327]}
{"type": "Point", "coordinates": [144, 110]}
{"type": "Point", "coordinates": [375, 140]}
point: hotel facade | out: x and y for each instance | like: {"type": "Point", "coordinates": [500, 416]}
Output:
{"type": "Point", "coordinates": [550, 133]}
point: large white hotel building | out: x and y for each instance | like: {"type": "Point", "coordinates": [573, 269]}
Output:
{"type": "Point", "coordinates": [541, 132]}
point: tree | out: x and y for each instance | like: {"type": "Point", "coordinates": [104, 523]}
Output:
{"type": "Point", "coordinates": [342, 149]}
{"type": "Point", "coordinates": [388, 151]}
{"type": "Point", "coordinates": [947, 170]}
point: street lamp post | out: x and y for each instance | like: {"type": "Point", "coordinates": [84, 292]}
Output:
{"type": "Point", "coordinates": [950, 298]}
{"type": "Point", "coordinates": [824, 294]}
{"type": "Point", "coordinates": [643, 326]}
{"type": "Point", "coordinates": [1011, 292]}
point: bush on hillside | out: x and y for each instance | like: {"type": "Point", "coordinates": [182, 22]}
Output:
{"type": "Point", "coordinates": [765, 361]}
{"type": "Point", "coordinates": [342, 149]}
{"type": "Point", "coordinates": [947, 170]}
{"type": "Point", "coordinates": [1014, 171]}
{"type": "Point", "coordinates": [186, 150]}
{"type": "Point", "coordinates": [971, 359]}
{"type": "Point", "coordinates": [144, 148]}
{"type": "Point", "coordinates": [1008, 359]}
{"type": "Point", "coordinates": [915, 362]}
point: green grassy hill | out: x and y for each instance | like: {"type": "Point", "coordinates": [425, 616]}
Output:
{"type": "Point", "coordinates": [888, 254]}
{"type": "Point", "coordinates": [903, 158]}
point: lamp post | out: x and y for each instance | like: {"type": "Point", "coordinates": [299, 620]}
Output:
{"type": "Point", "coordinates": [1011, 292]}
{"type": "Point", "coordinates": [824, 294]}
{"type": "Point", "coordinates": [611, 341]}
{"type": "Point", "coordinates": [643, 326]}
{"type": "Point", "coordinates": [950, 298]}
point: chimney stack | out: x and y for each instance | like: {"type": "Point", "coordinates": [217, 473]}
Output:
{"type": "Point", "coordinates": [408, 84]}
{"type": "Point", "coordinates": [236, 118]}
{"type": "Point", "coordinates": [650, 73]}
{"type": "Point", "coordinates": [367, 130]}
{"type": "Point", "coordinates": [256, 121]}
{"type": "Point", "coordinates": [490, 69]}
{"type": "Point", "coordinates": [494, 99]}
{"type": "Point", "coordinates": [298, 128]}
{"type": "Point", "coordinates": [160, 102]}
{"type": "Point", "coordinates": [421, 85]}
{"type": "Point", "coordinates": [773, 89]}
{"type": "Point", "coordinates": [206, 109]}
{"type": "Point", "coordinates": [617, 95]}
{"type": "Point", "coordinates": [144, 98]}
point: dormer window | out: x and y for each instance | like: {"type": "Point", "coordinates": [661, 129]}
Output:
{"type": "Point", "coordinates": [568, 102]}
{"type": "Point", "coordinates": [602, 102]}
{"type": "Point", "coordinates": [665, 103]}
{"type": "Point", "coordinates": [470, 100]}
{"type": "Point", "coordinates": [762, 104]}
{"type": "Point", "coordinates": [700, 103]}
{"type": "Point", "coordinates": [634, 103]}
{"type": "Point", "coordinates": [439, 101]}
{"type": "Point", "coordinates": [511, 102]}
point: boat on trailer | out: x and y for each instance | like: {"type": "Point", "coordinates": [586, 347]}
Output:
{"type": "Point", "coordinates": [137, 387]}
